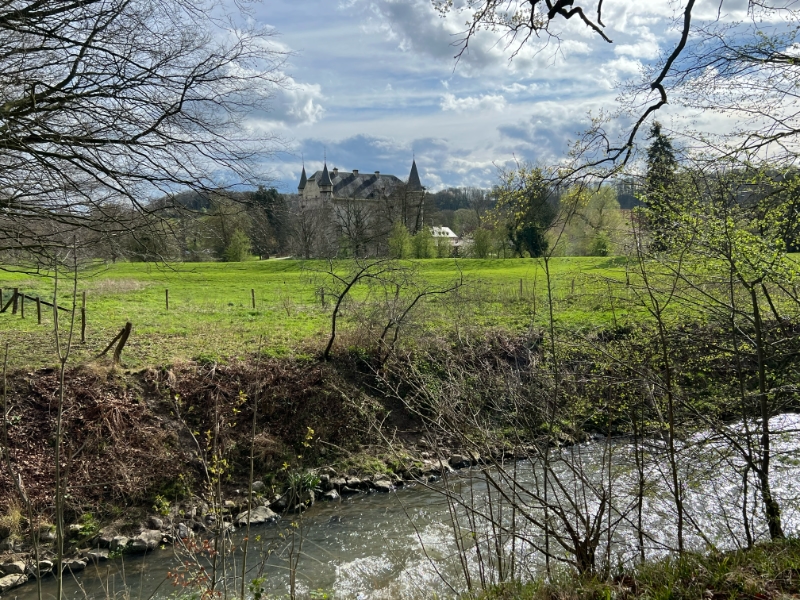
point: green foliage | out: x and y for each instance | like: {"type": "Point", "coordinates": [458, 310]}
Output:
{"type": "Point", "coordinates": [257, 588]}
{"type": "Point", "coordinates": [238, 249]}
{"type": "Point", "coordinates": [764, 571]}
{"type": "Point", "coordinates": [524, 210]}
{"type": "Point", "coordinates": [89, 525]}
{"type": "Point", "coordinates": [444, 247]}
{"type": "Point", "coordinates": [300, 486]}
{"type": "Point", "coordinates": [269, 217]}
{"type": "Point", "coordinates": [662, 198]}
{"type": "Point", "coordinates": [595, 224]}
{"type": "Point", "coordinates": [399, 241]}
{"type": "Point", "coordinates": [161, 505]}
{"type": "Point", "coordinates": [422, 244]}
{"type": "Point", "coordinates": [481, 243]}
{"type": "Point", "coordinates": [179, 488]}
{"type": "Point", "coordinates": [600, 245]}
{"type": "Point", "coordinates": [301, 481]}
{"type": "Point", "coordinates": [465, 221]}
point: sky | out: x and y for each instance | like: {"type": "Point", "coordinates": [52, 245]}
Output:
{"type": "Point", "coordinates": [373, 84]}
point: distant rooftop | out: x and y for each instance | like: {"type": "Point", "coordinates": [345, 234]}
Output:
{"type": "Point", "coordinates": [443, 232]}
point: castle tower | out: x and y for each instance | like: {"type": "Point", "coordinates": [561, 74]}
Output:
{"type": "Point", "coordinates": [414, 184]}
{"type": "Point", "coordinates": [303, 181]}
{"type": "Point", "coordinates": [325, 184]}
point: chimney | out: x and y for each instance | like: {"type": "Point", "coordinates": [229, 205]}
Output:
{"type": "Point", "coordinates": [355, 171]}
{"type": "Point", "coordinates": [335, 170]}
{"type": "Point", "coordinates": [377, 172]}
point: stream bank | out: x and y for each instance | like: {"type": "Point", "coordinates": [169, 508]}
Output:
{"type": "Point", "coordinates": [149, 456]}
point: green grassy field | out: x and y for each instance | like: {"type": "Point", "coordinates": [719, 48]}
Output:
{"type": "Point", "coordinates": [210, 314]}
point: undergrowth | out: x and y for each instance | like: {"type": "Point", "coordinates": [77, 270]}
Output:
{"type": "Point", "coordinates": [766, 572]}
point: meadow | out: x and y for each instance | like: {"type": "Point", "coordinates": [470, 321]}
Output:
{"type": "Point", "coordinates": [211, 317]}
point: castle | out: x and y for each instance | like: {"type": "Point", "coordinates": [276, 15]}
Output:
{"type": "Point", "coordinates": [336, 185]}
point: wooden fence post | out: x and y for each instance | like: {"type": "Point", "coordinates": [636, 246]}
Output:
{"type": "Point", "coordinates": [38, 310]}
{"type": "Point", "coordinates": [253, 298]}
{"type": "Point", "coordinates": [83, 317]}
{"type": "Point", "coordinates": [1, 297]}
{"type": "Point", "coordinates": [15, 301]}
{"type": "Point", "coordinates": [122, 338]}
{"type": "Point", "coordinates": [22, 305]}
{"type": "Point", "coordinates": [126, 332]}
{"type": "Point", "coordinates": [166, 297]}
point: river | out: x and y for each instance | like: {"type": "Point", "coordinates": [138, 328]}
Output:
{"type": "Point", "coordinates": [402, 544]}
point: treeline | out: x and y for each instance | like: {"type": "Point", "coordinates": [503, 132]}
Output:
{"type": "Point", "coordinates": [529, 213]}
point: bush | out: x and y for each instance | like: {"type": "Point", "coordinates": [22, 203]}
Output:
{"type": "Point", "coordinates": [422, 243]}
{"type": "Point", "coordinates": [481, 243]}
{"type": "Point", "coordinates": [444, 247]}
{"type": "Point", "coordinates": [399, 241]}
{"type": "Point", "coordinates": [238, 248]}
{"type": "Point", "coordinates": [600, 246]}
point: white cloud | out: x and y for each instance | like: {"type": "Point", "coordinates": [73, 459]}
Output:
{"type": "Point", "coordinates": [519, 88]}
{"type": "Point", "coordinates": [299, 103]}
{"type": "Point", "coordinates": [494, 102]}
{"type": "Point", "coordinates": [619, 69]}
{"type": "Point", "coordinates": [646, 47]}
{"type": "Point", "coordinates": [381, 73]}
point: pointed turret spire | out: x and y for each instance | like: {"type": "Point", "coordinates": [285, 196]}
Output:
{"type": "Point", "coordinates": [303, 181]}
{"type": "Point", "coordinates": [325, 180]}
{"type": "Point", "coordinates": [414, 184]}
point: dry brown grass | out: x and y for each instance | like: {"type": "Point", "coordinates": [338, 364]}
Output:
{"type": "Point", "coordinates": [12, 521]}
{"type": "Point", "coordinates": [116, 286]}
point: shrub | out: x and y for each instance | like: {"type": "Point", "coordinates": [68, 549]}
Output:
{"type": "Point", "coordinates": [481, 243]}
{"type": "Point", "coordinates": [399, 241]}
{"type": "Point", "coordinates": [422, 243]}
{"type": "Point", "coordinates": [238, 248]}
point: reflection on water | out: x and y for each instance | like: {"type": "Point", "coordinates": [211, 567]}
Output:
{"type": "Point", "coordinates": [402, 544]}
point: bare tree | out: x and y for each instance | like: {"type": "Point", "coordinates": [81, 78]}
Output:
{"type": "Point", "coordinates": [358, 226]}
{"type": "Point", "coordinates": [112, 102]}
{"type": "Point", "coordinates": [407, 205]}
{"type": "Point", "coordinates": [309, 225]}
{"type": "Point", "coordinates": [746, 69]}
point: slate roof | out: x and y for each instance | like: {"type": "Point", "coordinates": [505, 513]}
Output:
{"type": "Point", "coordinates": [303, 180]}
{"type": "Point", "coordinates": [324, 178]}
{"type": "Point", "coordinates": [361, 185]}
{"type": "Point", "coordinates": [414, 184]}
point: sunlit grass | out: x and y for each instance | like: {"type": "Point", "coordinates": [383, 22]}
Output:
{"type": "Point", "coordinates": [211, 317]}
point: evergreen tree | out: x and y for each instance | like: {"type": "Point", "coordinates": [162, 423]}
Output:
{"type": "Point", "coordinates": [268, 231]}
{"type": "Point", "coordinates": [660, 187]}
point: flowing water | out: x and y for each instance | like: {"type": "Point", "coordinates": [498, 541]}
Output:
{"type": "Point", "coordinates": [403, 544]}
